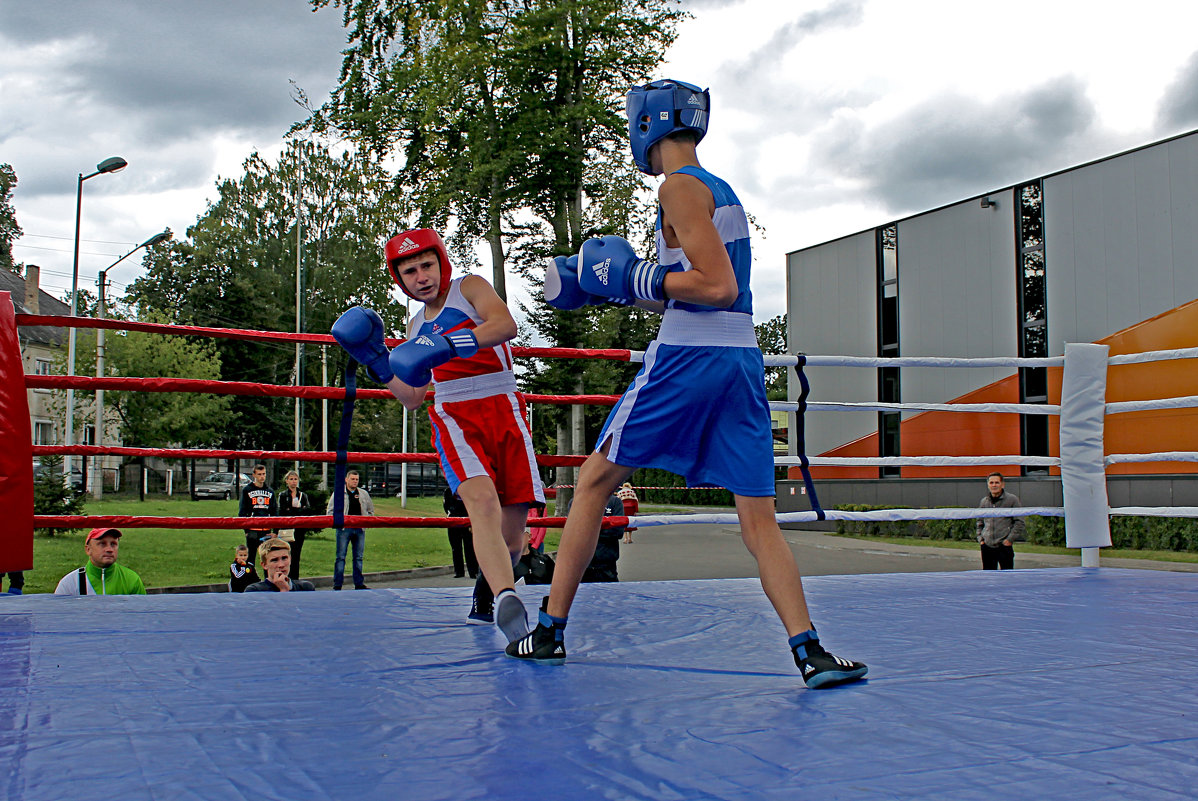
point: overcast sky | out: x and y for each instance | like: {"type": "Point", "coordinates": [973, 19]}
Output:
{"type": "Point", "coordinates": [829, 116]}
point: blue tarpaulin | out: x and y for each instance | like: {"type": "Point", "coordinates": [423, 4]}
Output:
{"type": "Point", "coordinates": [1037, 684]}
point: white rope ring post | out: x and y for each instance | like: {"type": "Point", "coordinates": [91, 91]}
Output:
{"type": "Point", "coordinates": [1083, 463]}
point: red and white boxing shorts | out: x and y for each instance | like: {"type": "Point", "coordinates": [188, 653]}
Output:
{"type": "Point", "coordinates": [480, 428]}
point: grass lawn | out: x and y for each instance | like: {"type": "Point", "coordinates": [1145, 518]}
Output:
{"type": "Point", "coordinates": [166, 557]}
{"type": "Point", "coordinates": [1110, 553]}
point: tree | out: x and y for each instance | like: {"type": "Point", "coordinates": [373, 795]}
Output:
{"type": "Point", "coordinates": [771, 338]}
{"type": "Point", "coordinates": [51, 496]}
{"type": "Point", "coordinates": [159, 419]}
{"type": "Point", "coordinates": [507, 114]}
{"type": "Point", "coordinates": [10, 231]}
{"type": "Point", "coordinates": [156, 419]}
{"type": "Point", "coordinates": [237, 268]}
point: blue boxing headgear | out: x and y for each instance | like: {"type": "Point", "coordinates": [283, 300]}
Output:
{"type": "Point", "coordinates": [658, 109]}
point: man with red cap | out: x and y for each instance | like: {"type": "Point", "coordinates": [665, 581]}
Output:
{"type": "Point", "coordinates": [458, 343]}
{"type": "Point", "coordinates": [101, 575]}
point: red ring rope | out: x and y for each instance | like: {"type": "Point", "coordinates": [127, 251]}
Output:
{"type": "Point", "coordinates": [321, 521]}
{"type": "Point", "coordinates": [202, 385]}
{"type": "Point", "coordinates": [613, 354]}
{"type": "Point", "coordinates": [364, 457]}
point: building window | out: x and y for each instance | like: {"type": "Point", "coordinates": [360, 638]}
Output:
{"type": "Point", "coordinates": [888, 345]}
{"type": "Point", "coordinates": [42, 367]}
{"type": "Point", "coordinates": [89, 435]}
{"type": "Point", "coordinates": [43, 433]}
{"type": "Point", "coordinates": [1033, 318]}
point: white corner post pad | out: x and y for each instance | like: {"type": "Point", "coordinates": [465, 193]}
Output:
{"type": "Point", "coordinates": [1083, 469]}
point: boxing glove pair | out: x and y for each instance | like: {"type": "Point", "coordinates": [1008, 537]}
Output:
{"type": "Point", "coordinates": [360, 332]}
{"type": "Point", "coordinates": [606, 269]}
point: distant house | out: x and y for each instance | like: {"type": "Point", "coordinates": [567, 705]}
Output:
{"type": "Point", "coordinates": [40, 347]}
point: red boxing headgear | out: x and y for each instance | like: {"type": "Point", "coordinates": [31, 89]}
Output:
{"type": "Point", "coordinates": [411, 243]}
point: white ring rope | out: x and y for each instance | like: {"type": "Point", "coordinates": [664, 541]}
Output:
{"type": "Point", "coordinates": [1155, 511]}
{"type": "Point", "coordinates": [979, 408]}
{"type": "Point", "coordinates": [788, 360]}
{"type": "Point", "coordinates": [1183, 402]}
{"type": "Point", "coordinates": [882, 461]}
{"type": "Point", "coordinates": [1164, 456]}
{"type": "Point", "coordinates": [835, 514]}
{"type": "Point", "coordinates": [1154, 356]}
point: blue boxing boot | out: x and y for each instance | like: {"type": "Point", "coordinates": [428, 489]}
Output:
{"type": "Point", "coordinates": [821, 669]}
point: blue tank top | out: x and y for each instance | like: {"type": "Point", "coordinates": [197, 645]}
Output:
{"type": "Point", "coordinates": [733, 228]}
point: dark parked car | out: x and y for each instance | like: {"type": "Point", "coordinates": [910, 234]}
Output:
{"type": "Point", "coordinates": [423, 480]}
{"type": "Point", "coordinates": [76, 476]}
{"type": "Point", "coordinates": [222, 485]}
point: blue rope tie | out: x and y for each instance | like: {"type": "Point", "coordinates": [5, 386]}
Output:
{"type": "Point", "coordinates": [347, 416]}
{"type": "Point", "coordinates": [800, 438]}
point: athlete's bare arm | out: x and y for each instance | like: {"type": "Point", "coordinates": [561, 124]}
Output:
{"type": "Point", "coordinates": [497, 325]}
{"type": "Point", "coordinates": [687, 207]}
{"type": "Point", "coordinates": [410, 397]}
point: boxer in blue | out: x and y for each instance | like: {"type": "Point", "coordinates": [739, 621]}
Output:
{"type": "Point", "coordinates": [703, 368]}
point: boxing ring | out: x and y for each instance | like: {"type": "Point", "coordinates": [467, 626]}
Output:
{"type": "Point", "coordinates": [1060, 683]}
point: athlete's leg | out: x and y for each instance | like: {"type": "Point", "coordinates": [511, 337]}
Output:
{"type": "Point", "coordinates": [784, 587]}
{"type": "Point", "coordinates": [487, 521]}
{"type": "Point", "coordinates": [776, 564]}
{"type": "Point", "coordinates": [597, 480]}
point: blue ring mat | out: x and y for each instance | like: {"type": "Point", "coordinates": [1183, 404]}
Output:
{"type": "Point", "coordinates": [1061, 684]}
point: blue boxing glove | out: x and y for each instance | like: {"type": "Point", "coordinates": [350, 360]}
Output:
{"type": "Point", "coordinates": [413, 361]}
{"type": "Point", "coordinates": [360, 332]}
{"type": "Point", "coordinates": [609, 267]}
{"type": "Point", "coordinates": [561, 286]}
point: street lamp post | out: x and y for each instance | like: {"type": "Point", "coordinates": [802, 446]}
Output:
{"type": "Point", "coordinates": [98, 483]}
{"type": "Point", "coordinates": [111, 164]}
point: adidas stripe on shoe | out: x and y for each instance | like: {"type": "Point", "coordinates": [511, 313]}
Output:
{"type": "Point", "coordinates": [545, 644]}
{"type": "Point", "coordinates": [821, 669]}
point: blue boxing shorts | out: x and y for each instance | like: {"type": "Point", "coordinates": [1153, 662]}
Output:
{"type": "Point", "coordinates": [697, 407]}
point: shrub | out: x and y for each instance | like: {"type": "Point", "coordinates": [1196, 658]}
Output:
{"type": "Point", "coordinates": [1132, 533]}
{"type": "Point", "coordinates": [51, 496]}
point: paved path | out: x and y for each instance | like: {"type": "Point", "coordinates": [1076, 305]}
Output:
{"type": "Point", "coordinates": [710, 551]}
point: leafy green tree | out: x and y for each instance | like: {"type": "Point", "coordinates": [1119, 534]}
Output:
{"type": "Point", "coordinates": [237, 268]}
{"type": "Point", "coordinates": [771, 338]}
{"type": "Point", "coordinates": [10, 231]}
{"type": "Point", "coordinates": [51, 496]}
{"type": "Point", "coordinates": [507, 114]}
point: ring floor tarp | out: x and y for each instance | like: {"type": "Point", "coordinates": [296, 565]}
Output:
{"type": "Point", "coordinates": [1061, 684]}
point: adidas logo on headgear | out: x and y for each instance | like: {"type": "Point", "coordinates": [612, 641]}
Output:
{"type": "Point", "coordinates": [407, 245]}
{"type": "Point", "coordinates": [694, 101]}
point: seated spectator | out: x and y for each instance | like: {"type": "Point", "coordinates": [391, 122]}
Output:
{"type": "Point", "coordinates": [607, 549]}
{"type": "Point", "coordinates": [275, 558]}
{"type": "Point", "coordinates": [536, 534]}
{"type": "Point", "coordinates": [16, 583]}
{"type": "Point", "coordinates": [241, 573]}
{"type": "Point", "coordinates": [101, 575]}
{"type": "Point", "coordinates": [632, 505]}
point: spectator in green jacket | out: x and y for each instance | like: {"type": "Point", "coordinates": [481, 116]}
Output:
{"type": "Point", "coordinates": [101, 575]}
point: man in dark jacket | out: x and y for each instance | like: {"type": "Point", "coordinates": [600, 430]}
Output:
{"type": "Point", "coordinates": [996, 534]}
{"type": "Point", "coordinates": [257, 500]}
{"type": "Point", "coordinates": [607, 549]}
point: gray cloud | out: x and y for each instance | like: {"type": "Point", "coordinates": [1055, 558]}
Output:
{"type": "Point", "coordinates": [156, 77]}
{"type": "Point", "coordinates": [1179, 105]}
{"type": "Point", "coordinates": [954, 146]}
